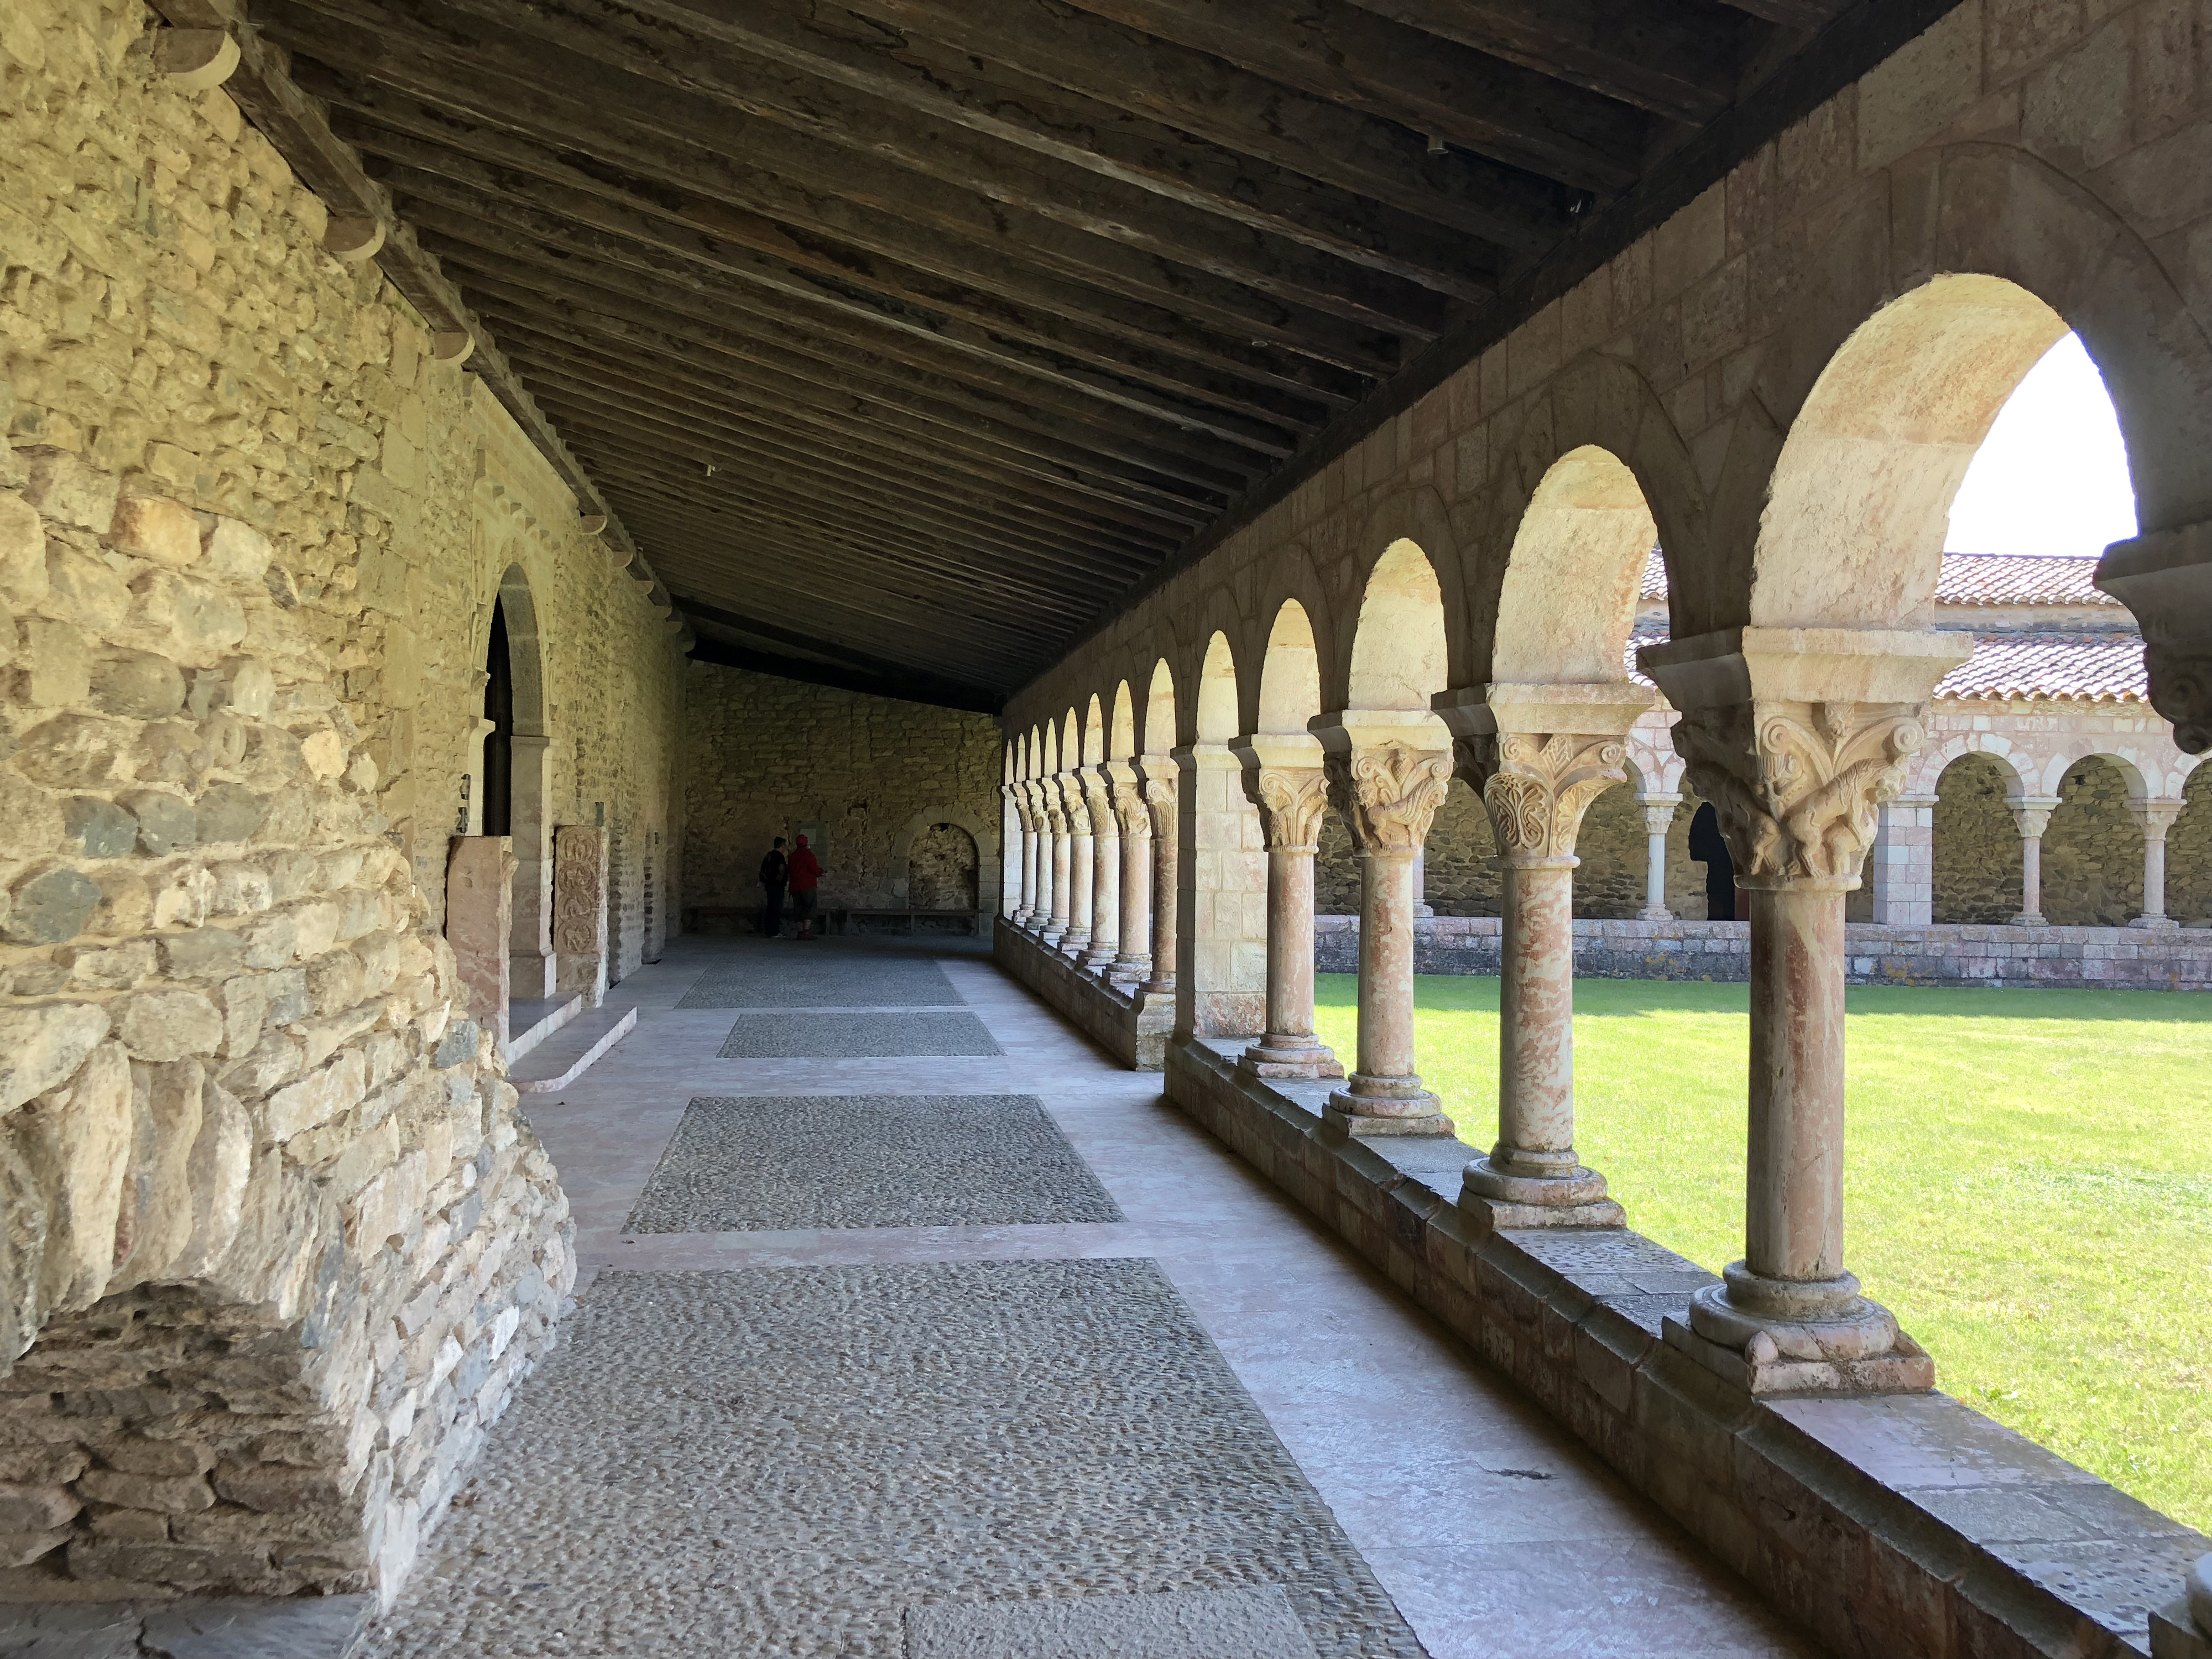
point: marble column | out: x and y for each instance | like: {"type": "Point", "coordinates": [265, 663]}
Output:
{"type": "Point", "coordinates": [2156, 817]}
{"type": "Point", "coordinates": [1132, 961]}
{"type": "Point", "coordinates": [1798, 738]}
{"type": "Point", "coordinates": [1658, 819]}
{"type": "Point", "coordinates": [1160, 801]}
{"type": "Point", "coordinates": [1283, 775]}
{"type": "Point", "coordinates": [1076, 933]}
{"type": "Point", "coordinates": [1386, 777]}
{"type": "Point", "coordinates": [2033, 815]}
{"type": "Point", "coordinates": [1055, 812]}
{"type": "Point", "coordinates": [1010, 856]}
{"type": "Point", "coordinates": [1105, 872]}
{"type": "Point", "coordinates": [1025, 903]}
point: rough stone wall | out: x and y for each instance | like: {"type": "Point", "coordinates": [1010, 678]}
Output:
{"type": "Point", "coordinates": [272, 1231]}
{"type": "Point", "coordinates": [2093, 870]}
{"type": "Point", "coordinates": [942, 869]}
{"type": "Point", "coordinates": [2189, 852]}
{"type": "Point", "coordinates": [1976, 846]}
{"type": "Point", "coordinates": [770, 757]}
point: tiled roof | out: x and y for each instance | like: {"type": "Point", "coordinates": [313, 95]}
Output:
{"type": "Point", "coordinates": [2091, 667]}
{"type": "Point", "coordinates": [1976, 578]}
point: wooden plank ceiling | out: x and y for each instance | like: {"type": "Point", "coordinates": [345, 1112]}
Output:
{"type": "Point", "coordinates": [907, 336]}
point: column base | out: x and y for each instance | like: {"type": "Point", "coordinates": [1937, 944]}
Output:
{"type": "Point", "coordinates": [1096, 960]}
{"type": "Point", "coordinates": [1160, 986]}
{"type": "Point", "coordinates": [1781, 1336]}
{"type": "Point", "coordinates": [1072, 945]}
{"type": "Point", "coordinates": [1289, 1056]}
{"type": "Point", "coordinates": [2156, 924]}
{"type": "Point", "coordinates": [2029, 919]}
{"type": "Point", "coordinates": [1571, 1198]}
{"type": "Point", "coordinates": [1655, 913]}
{"type": "Point", "coordinates": [1374, 1106]}
{"type": "Point", "coordinates": [1126, 971]}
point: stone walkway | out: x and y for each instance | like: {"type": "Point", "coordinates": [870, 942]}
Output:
{"type": "Point", "coordinates": [1198, 1432]}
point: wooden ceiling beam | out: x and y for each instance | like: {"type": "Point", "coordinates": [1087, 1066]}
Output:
{"type": "Point", "coordinates": [549, 353]}
{"type": "Point", "coordinates": [711, 356]}
{"type": "Point", "coordinates": [676, 314]}
{"type": "Point", "coordinates": [1331, 49]}
{"type": "Point", "coordinates": [1017, 243]}
{"type": "Point", "coordinates": [1805, 14]}
{"type": "Point", "coordinates": [794, 639]}
{"type": "Point", "coordinates": [1197, 92]}
{"type": "Point", "coordinates": [1676, 59]}
{"type": "Point", "coordinates": [1229, 397]}
{"type": "Point", "coordinates": [1047, 120]}
{"type": "Point", "coordinates": [929, 690]}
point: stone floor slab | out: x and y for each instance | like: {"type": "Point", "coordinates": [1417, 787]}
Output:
{"type": "Point", "coordinates": [762, 979]}
{"type": "Point", "coordinates": [815, 1035]}
{"type": "Point", "coordinates": [1248, 1623]}
{"type": "Point", "coordinates": [770, 1162]}
{"type": "Point", "coordinates": [188, 1627]}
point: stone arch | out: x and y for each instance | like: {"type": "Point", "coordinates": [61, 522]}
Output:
{"type": "Point", "coordinates": [1215, 708]}
{"type": "Point", "coordinates": [1290, 673]}
{"type": "Point", "coordinates": [2024, 777]}
{"type": "Point", "coordinates": [1122, 738]}
{"type": "Point", "coordinates": [1094, 732]}
{"type": "Point", "coordinates": [514, 783]}
{"type": "Point", "coordinates": [1400, 657]}
{"type": "Point", "coordinates": [981, 866]}
{"type": "Point", "coordinates": [2093, 850]}
{"type": "Point", "coordinates": [1568, 599]}
{"type": "Point", "coordinates": [1070, 741]}
{"type": "Point", "coordinates": [1159, 733]}
{"type": "Point", "coordinates": [1050, 765]}
{"type": "Point", "coordinates": [2189, 852]}
{"type": "Point", "coordinates": [1976, 852]}
{"type": "Point", "coordinates": [1415, 518]}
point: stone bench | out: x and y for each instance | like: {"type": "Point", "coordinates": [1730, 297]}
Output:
{"type": "Point", "coordinates": [852, 920]}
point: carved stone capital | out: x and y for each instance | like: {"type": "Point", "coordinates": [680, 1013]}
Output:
{"type": "Point", "coordinates": [2033, 816]}
{"type": "Point", "coordinates": [1536, 786]}
{"type": "Point", "coordinates": [1659, 812]}
{"type": "Point", "coordinates": [2181, 690]}
{"type": "Point", "coordinates": [1099, 805]}
{"type": "Point", "coordinates": [1136, 818]}
{"type": "Point", "coordinates": [1797, 787]}
{"type": "Point", "coordinates": [1388, 795]}
{"type": "Point", "coordinates": [1292, 801]}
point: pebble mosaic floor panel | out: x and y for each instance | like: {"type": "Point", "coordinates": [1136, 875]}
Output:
{"type": "Point", "coordinates": [815, 1035]}
{"type": "Point", "coordinates": [838, 979]}
{"type": "Point", "coordinates": [788, 1161]}
{"type": "Point", "coordinates": [804, 1462]}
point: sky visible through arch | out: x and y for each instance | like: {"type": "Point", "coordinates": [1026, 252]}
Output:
{"type": "Point", "coordinates": [2052, 474]}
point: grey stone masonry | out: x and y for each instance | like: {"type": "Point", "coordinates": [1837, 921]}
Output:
{"type": "Point", "coordinates": [2128, 958]}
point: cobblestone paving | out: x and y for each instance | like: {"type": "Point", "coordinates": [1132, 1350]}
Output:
{"type": "Point", "coordinates": [779, 1463]}
{"type": "Point", "coordinates": [856, 1037]}
{"type": "Point", "coordinates": [804, 1161]}
{"type": "Point", "coordinates": [838, 979]}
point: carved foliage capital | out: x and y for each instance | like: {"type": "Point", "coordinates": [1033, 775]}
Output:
{"type": "Point", "coordinates": [1292, 802]}
{"type": "Point", "coordinates": [1796, 786]}
{"type": "Point", "coordinates": [2181, 690]}
{"type": "Point", "coordinates": [1541, 784]}
{"type": "Point", "coordinates": [1129, 806]}
{"type": "Point", "coordinates": [1388, 795]}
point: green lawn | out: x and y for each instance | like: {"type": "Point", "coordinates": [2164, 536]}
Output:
{"type": "Point", "coordinates": [2029, 1184]}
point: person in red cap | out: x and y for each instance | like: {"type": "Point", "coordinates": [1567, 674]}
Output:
{"type": "Point", "coordinates": [806, 876]}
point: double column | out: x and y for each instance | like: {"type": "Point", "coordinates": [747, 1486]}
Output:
{"type": "Point", "coordinates": [1798, 737]}
{"type": "Point", "coordinates": [2033, 815]}
{"type": "Point", "coordinates": [1053, 860]}
{"type": "Point", "coordinates": [1025, 898]}
{"type": "Point", "coordinates": [1540, 755]}
{"type": "Point", "coordinates": [1160, 777]}
{"type": "Point", "coordinates": [1074, 916]}
{"type": "Point", "coordinates": [1387, 771]}
{"type": "Point", "coordinates": [1283, 776]}
{"type": "Point", "coordinates": [1132, 960]}
{"type": "Point", "coordinates": [1105, 909]}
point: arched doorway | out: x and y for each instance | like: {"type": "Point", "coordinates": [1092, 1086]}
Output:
{"type": "Point", "coordinates": [943, 869]}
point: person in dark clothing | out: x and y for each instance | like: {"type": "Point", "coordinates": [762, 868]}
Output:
{"type": "Point", "coordinates": [774, 876]}
{"type": "Point", "coordinates": [806, 876]}
{"type": "Point", "coordinates": [1709, 846]}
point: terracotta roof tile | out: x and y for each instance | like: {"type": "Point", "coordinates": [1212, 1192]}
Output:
{"type": "Point", "coordinates": [2092, 667]}
{"type": "Point", "coordinates": [1975, 579]}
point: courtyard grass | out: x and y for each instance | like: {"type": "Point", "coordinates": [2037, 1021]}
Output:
{"type": "Point", "coordinates": [2029, 1181]}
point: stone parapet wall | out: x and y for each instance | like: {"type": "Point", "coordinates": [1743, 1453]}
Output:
{"type": "Point", "coordinates": [866, 777]}
{"type": "Point", "coordinates": [1131, 1025]}
{"type": "Point", "coordinates": [1884, 1525]}
{"type": "Point", "coordinates": [2164, 959]}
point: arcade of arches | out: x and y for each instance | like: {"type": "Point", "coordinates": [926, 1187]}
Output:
{"type": "Point", "coordinates": [1167, 616]}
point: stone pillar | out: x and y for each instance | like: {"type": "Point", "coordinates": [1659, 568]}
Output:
{"type": "Point", "coordinates": [1011, 876]}
{"type": "Point", "coordinates": [1134, 960]}
{"type": "Point", "coordinates": [1162, 800]}
{"type": "Point", "coordinates": [1080, 866]}
{"type": "Point", "coordinates": [1055, 812]}
{"type": "Point", "coordinates": [1283, 776]}
{"type": "Point", "coordinates": [1658, 819]}
{"type": "Point", "coordinates": [1040, 905]}
{"type": "Point", "coordinates": [1386, 777]}
{"type": "Point", "coordinates": [1902, 864]}
{"type": "Point", "coordinates": [2033, 815]}
{"type": "Point", "coordinates": [579, 912]}
{"type": "Point", "coordinates": [1221, 974]}
{"type": "Point", "coordinates": [480, 925]}
{"type": "Point", "coordinates": [1026, 901]}
{"type": "Point", "coordinates": [1105, 872]}
{"type": "Point", "coordinates": [533, 974]}
{"type": "Point", "coordinates": [1541, 755]}
{"type": "Point", "coordinates": [1797, 737]}
{"type": "Point", "coordinates": [2156, 817]}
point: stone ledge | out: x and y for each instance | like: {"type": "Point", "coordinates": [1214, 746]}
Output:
{"type": "Point", "coordinates": [189, 1627]}
{"type": "Point", "coordinates": [1999, 957]}
{"type": "Point", "coordinates": [1887, 1524]}
{"type": "Point", "coordinates": [1131, 1025]}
